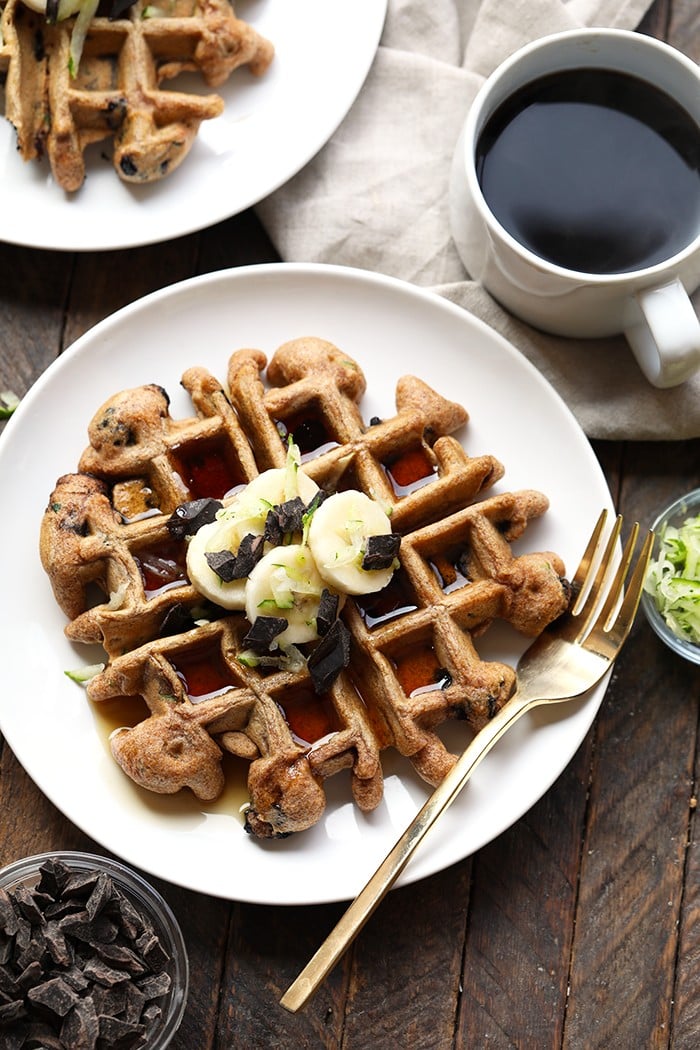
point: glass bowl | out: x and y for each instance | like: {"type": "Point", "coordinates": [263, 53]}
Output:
{"type": "Point", "coordinates": [167, 955]}
{"type": "Point", "coordinates": [676, 514]}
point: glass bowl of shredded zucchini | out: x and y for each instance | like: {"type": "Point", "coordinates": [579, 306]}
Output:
{"type": "Point", "coordinates": [671, 598]}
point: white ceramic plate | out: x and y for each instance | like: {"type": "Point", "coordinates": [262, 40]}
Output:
{"type": "Point", "coordinates": [271, 126]}
{"type": "Point", "coordinates": [390, 328]}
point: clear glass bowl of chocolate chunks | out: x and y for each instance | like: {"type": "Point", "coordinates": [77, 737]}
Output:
{"type": "Point", "coordinates": [91, 955]}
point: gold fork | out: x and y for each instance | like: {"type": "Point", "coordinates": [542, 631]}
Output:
{"type": "Point", "coordinates": [565, 661]}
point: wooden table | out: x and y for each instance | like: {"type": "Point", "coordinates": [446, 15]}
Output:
{"type": "Point", "coordinates": [579, 927]}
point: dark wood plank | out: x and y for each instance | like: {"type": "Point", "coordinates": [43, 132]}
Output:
{"type": "Point", "coordinates": [104, 282]}
{"type": "Point", "coordinates": [516, 960]}
{"type": "Point", "coordinates": [631, 882]}
{"type": "Point", "coordinates": [35, 288]}
{"type": "Point", "coordinates": [407, 966]}
{"type": "Point", "coordinates": [267, 948]}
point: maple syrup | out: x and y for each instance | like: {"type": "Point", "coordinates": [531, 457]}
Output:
{"type": "Point", "coordinates": [450, 571]}
{"type": "Point", "coordinates": [410, 471]}
{"type": "Point", "coordinates": [128, 711]}
{"type": "Point", "coordinates": [309, 434]}
{"type": "Point", "coordinates": [204, 673]}
{"type": "Point", "coordinates": [162, 567]}
{"type": "Point", "coordinates": [394, 600]}
{"type": "Point", "coordinates": [419, 671]}
{"type": "Point", "coordinates": [207, 468]}
{"type": "Point", "coordinates": [308, 716]}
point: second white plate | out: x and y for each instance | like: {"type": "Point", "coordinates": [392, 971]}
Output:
{"type": "Point", "coordinates": [271, 126]}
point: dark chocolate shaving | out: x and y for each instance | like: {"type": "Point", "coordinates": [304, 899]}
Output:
{"type": "Point", "coordinates": [263, 633]}
{"type": "Point", "coordinates": [329, 657]}
{"type": "Point", "coordinates": [229, 566]}
{"type": "Point", "coordinates": [380, 551]}
{"type": "Point", "coordinates": [327, 611]}
{"type": "Point", "coordinates": [284, 519]}
{"type": "Point", "coordinates": [188, 518]}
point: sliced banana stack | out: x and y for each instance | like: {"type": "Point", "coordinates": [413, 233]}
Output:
{"type": "Point", "coordinates": [246, 516]}
{"type": "Point", "coordinates": [288, 556]}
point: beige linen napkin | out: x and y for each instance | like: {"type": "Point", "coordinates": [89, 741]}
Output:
{"type": "Point", "coordinates": [376, 196]}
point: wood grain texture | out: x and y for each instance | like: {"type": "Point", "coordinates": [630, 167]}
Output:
{"type": "Point", "coordinates": [576, 929]}
{"type": "Point", "coordinates": [631, 879]}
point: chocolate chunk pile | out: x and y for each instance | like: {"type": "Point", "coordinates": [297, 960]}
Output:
{"type": "Point", "coordinates": [80, 967]}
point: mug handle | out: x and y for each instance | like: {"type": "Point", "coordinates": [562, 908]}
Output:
{"type": "Point", "coordinates": [666, 342]}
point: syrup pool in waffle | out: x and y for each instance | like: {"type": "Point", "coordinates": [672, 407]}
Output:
{"type": "Point", "coordinates": [413, 660]}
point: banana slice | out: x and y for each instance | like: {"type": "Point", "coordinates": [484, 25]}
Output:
{"type": "Point", "coordinates": [286, 583]}
{"type": "Point", "coordinates": [268, 490]}
{"type": "Point", "coordinates": [245, 516]}
{"type": "Point", "coordinates": [223, 534]}
{"type": "Point", "coordinates": [338, 535]}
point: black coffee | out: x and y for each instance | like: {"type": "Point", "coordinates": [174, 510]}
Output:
{"type": "Point", "coordinates": [594, 170]}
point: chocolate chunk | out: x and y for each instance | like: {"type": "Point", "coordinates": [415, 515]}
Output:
{"type": "Point", "coordinates": [250, 551]}
{"type": "Point", "coordinates": [24, 900]}
{"type": "Point", "coordinates": [229, 566]}
{"type": "Point", "coordinates": [8, 915]}
{"type": "Point", "coordinates": [123, 958]}
{"type": "Point", "coordinates": [263, 632]}
{"type": "Point", "coordinates": [54, 996]}
{"type": "Point", "coordinates": [102, 894]}
{"type": "Point", "coordinates": [329, 657]}
{"type": "Point", "coordinates": [189, 517]}
{"type": "Point", "coordinates": [80, 1029]}
{"type": "Point", "coordinates": [98, 971]}
{"type": "Point", "coordinates": [81, 884]}
{"type": "Point", "coordinates": [223, 563]}
{"type": "Point", "coordinates": [57, 945]}
{"type": "Point", "coordinates": [117, 1034]}
{"type": "Point", "coordinates": [92, 931]}
{"type": "Point", "coordinates": [284, 519]}
{"type": "Point", "coordinates": [152, 951]}
{"type": "Point", "coordinates": [327, 611]}
{"type": "Point", "coordinates": [12, 1011]}
{"type": "Point", "coordinates": [155, 986]}
{"type": "Point", "coordinates": [53, 878]}
{"type": "Point", "coordinates": [380, 551]}
{"type": "Point", "coordinates": [6, 947]}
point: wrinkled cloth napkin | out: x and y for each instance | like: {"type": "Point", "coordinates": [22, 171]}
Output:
{"type": "Point", "coordinates": [376, 196]}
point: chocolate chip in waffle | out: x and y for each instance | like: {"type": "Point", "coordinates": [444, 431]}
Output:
{"type": "Point", "coordinates": [116, 91]}
{"type": "Point", "coordinates": [413, 657]}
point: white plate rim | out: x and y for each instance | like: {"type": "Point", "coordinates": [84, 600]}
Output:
{"type": "Point", "coordinates": [578, 717]}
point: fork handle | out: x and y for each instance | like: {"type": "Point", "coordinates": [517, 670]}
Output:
{"type": "Point", "coordinates": [357, 914]}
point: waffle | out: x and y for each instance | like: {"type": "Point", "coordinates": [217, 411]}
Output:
{"type": "Point", "coordinates": [116, 92]}
{"type": "Point", "coordinates": [413, 661]}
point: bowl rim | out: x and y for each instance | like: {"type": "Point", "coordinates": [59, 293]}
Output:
{"type": "Point", "coordinates": [147, 897]}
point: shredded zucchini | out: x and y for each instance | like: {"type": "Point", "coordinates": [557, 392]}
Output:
{"type": "Point", "coordinates": [674, 579]}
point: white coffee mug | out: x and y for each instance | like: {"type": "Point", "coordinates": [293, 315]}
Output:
{"type": "Point", "coordinates": [651, 306]}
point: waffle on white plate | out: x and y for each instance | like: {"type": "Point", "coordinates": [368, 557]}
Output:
{"type": "Point", "coordinates": [386, 673]}
{"type": "Point", "coordinates": [115, 90]}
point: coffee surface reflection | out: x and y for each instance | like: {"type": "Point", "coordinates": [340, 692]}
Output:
{"type": "Point", "coordinates": [594, 170]}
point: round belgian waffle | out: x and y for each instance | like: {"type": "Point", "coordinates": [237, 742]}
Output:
{"type": "Point", "coordinates": [414, 660]}
{"type": "Point", "coordinates": [116, 91]}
